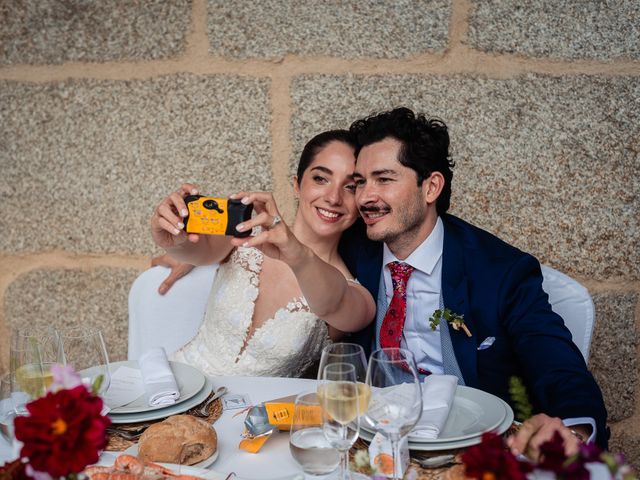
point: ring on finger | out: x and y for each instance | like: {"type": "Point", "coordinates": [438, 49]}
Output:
{"type": "Point", "coordinates": [276, 220]}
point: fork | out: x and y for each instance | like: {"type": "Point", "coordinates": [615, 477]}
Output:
{"type": "Point", "coordinates": [204, 410]}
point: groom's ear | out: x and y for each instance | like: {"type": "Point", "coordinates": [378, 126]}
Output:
{"type": "Point", "coordinates": [432, 187]}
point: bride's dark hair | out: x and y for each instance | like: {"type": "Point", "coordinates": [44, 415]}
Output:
{"type": "Point", "coordinates": [317, 143]}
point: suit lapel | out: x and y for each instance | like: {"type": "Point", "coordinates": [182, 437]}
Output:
{"type": "Point", "coordinates": [456, 299]}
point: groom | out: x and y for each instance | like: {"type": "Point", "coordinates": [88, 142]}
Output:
{"type": "Point", "coordinates": [423, 259]}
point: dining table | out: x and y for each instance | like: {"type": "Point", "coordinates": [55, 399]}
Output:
{"type": "Point", "coordinates": [274, 460]}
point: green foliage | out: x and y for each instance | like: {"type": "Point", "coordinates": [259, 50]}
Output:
{"type": "Point", "coordinates": [97, 383]}
{"type": "Point", "coordinates": [520, 398]}
{"type": "Point", "coordinates": [448, 315]}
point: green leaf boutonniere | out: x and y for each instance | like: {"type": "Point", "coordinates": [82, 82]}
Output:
{"type": "Point", "coordinates": [455, 320]}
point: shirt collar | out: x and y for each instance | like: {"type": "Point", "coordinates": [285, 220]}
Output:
{"type": "Point", "coordinates": [426, 255]}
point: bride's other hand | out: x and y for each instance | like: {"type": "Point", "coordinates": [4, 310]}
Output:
{"type": "Point", "coordinates": [178, 270]}
{"type": "Point", "coordinates": [276, 239]}
{"type": "Point", "coordinates": [167, 221]}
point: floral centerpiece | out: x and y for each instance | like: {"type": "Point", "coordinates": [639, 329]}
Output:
{"type": "Point", "coordinates": [63, 432]}
{"type": "Point", "coordinates": [492, 460]}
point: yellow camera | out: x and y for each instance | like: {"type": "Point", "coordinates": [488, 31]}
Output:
{"type": "Point", "coordinates": [216, 216]}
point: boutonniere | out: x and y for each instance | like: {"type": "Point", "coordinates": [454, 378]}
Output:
{"type": "Point", "coordinates": [455, 320]}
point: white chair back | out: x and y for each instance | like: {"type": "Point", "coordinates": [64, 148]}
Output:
{"type": "Point", "coordinates": [170, 320]}
{"type": "Point", "coordinates": [572, 302]}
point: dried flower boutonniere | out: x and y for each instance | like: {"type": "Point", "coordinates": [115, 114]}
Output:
{"type": "Point", "coordinates": [455, 320]}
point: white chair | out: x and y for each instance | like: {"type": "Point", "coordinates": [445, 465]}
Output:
{"type": "Point", "coordinates": [173, 319]}
{"type": "Point", "coordinates": [170, 320]}
{"type": "Point", "coordinates": [572, 302]}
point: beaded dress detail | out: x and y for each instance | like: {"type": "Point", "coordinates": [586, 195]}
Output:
{"type": "Point", "coordinates": [283, 346]}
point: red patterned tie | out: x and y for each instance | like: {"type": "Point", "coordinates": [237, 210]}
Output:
{"type": "Point", "coordinates": [393, 321]}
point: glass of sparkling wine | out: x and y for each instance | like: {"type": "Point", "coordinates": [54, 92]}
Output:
{"type": "Point", "coordinates": [309, 447]}
{"type": "Point", "coordinates": [32, 352]}
{"type": "Point", "coordinates": [353, 354]}
{"type": "Point", "coordinates": [338, 393]}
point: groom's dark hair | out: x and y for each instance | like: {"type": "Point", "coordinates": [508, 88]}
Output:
{"type": "Point", "coordinates": [425, 144]}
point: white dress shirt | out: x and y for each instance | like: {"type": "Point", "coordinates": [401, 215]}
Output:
{"type": "Point", "coordinates": [423, 298]}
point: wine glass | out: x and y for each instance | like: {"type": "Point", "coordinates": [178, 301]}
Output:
{"type": "Point", "coordinates": [32, 352]}
{"type": "Point", "coordinates": [85, 350]}
{"type": "Point", "coordinates": [396, 396]}
{"type": "Point", "coordinates": [338, 394]}
{"type": "Point", "coordinates": [353, 354]}
{"type": "Point", "coordinates": [309, 447]}
{"type": "Point", "coordinates": [7, 411]}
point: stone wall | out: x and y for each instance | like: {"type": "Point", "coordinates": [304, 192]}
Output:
{"type": "Point", "coordinates": [108, 105]}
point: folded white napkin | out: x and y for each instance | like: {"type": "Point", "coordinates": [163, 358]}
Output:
{"type": "Point", "coordinates": [160, 385]}
{"type": "Point", "coordinates": [437, 397]}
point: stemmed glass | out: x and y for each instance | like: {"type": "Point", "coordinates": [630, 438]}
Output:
{"type": "Point", "coordinates": [396, 396]}
{"type": "Point", "coordinates": [344, 353]}
{"type": "Point", "coordinates": [353, 354]}
{"type": "Point", "coordinates": [338, 394]}
{"type": "Point", "coordinates": [7, 411]}
{"type": "Point", "coordinates": [85, 350]}
{"type": "Point", "coordinates": [32, 352]}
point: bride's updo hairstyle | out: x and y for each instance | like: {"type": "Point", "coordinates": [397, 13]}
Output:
{"type": "Point", "coordinates": [317, 143]}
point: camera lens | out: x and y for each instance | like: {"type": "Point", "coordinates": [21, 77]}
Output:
{"type": "Point", "coordinates": [210, 204]}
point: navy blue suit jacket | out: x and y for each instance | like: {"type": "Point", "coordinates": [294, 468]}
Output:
{"type": "Point", "coordinates": [498, 289]}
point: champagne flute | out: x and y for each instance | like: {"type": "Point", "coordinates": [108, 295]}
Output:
{"type": "Point", "coordinates": [353, 354]}
{"type": "Point", "coordinates": [309, 447]}
{"type": "Point", "coordinates": [338, 394]}
{"type": "Point", "coordinates": [396, 396]}
{"type": "Point", "coordinates": [32, 352]}
{"type": "Point", "coordinates": [85, 350]}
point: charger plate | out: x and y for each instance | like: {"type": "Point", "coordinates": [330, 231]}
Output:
{"type": "Point", "coordinates": [466, 423]}
{"type": "Point", "coordinates": [165, 411]}
{"type": "Point", "coordinates": [190, 381]}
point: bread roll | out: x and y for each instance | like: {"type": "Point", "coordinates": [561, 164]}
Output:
{"type": "Point", "coordinates": [180, 439]}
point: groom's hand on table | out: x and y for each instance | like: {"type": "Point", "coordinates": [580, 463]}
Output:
{"type": "Point", "coordinates": [541, 428]}
{"type": "Point", "coordinates": [178, 270]}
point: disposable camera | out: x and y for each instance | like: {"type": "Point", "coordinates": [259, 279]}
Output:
{"type": "Point", "coordinates": [216, 216]}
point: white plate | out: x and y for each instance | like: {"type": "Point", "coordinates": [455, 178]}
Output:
{"type": "Point", "coordinates": [190, 381]}
{"type": "Point", "coordinates": [472, 412]}
{"type": "Point", "coordinates": [451, 445]}
{"type": "Point", "coordinates": [133, 450]}
{"type": "Point", "coordinates": [106, 460]}
{"type": "Point", "coordinates": [165, 411]}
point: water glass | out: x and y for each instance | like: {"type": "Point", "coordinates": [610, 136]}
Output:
{"type": "Point", "coordinates": [309, 447]}
{"type": "Point", "coordinates": [85, 350]}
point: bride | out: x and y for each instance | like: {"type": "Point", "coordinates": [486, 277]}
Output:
{"type": "Point", "coordinates": [280, 296]}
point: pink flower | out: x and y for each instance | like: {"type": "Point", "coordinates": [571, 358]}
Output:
{"type": "Point", "coordinates": [64, 377]}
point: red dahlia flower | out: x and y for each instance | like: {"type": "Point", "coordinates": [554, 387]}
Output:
{"type": "Point", "coordinates": [491, 460]}
{"type": "Point", "coordinates": [64, 431]}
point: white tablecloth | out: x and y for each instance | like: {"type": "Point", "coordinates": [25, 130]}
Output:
{"type": "Point", "coordinates": [274, 459]}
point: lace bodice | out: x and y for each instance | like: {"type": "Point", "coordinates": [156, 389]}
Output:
{"type": "Point", "coordinates": [283, 346]}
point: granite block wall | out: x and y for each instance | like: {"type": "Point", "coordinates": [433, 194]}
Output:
{"type": "Point", "coordinates": [106, 106]}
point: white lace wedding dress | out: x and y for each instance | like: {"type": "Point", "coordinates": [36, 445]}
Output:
{"type": "Point", "coordinates": [284, 346]}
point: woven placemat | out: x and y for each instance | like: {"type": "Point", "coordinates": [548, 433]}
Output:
{"type": "Point", "coordinates": [117, 443]}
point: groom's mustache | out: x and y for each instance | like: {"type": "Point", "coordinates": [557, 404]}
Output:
{"type": "Point", "coordinates": [374, 208]}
